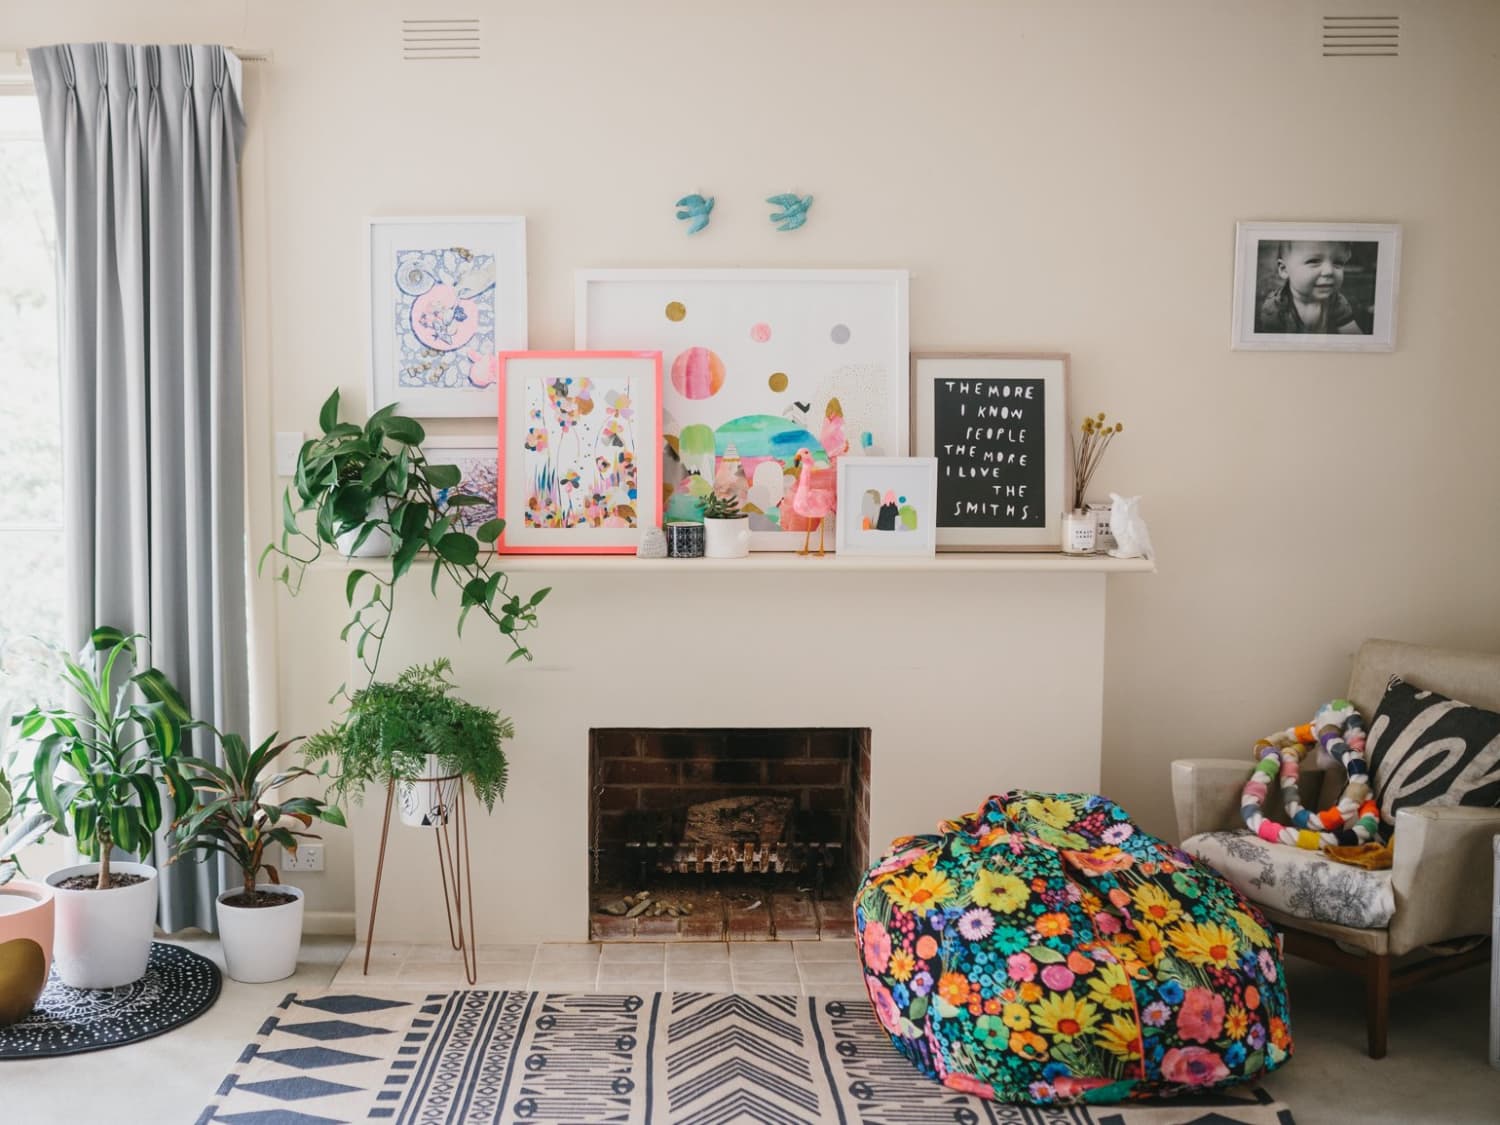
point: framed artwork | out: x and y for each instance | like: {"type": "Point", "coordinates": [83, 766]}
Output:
{"type": "Point", "coordinates": [887, 506]}
{"type": "Point", "coordinates": [446, 296]}
{"type": "Point", "coordinates": [1316, 286]}
{"type": "Point", "coordinates": [997, 424]}
{"type": "Point", "coordinates": [580, 451]}
{"type": "Point", "coordinates": [477, 459]}
{"type": "Point", "coordinates": [761, 364]}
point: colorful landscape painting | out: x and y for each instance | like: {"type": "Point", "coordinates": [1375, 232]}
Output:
{"type": "Point", "coordinates": [580, 463]}
{"type": "Point", "coordinates": [886, 511]}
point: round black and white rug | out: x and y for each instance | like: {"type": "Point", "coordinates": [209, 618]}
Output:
{"type": "Point", "coordinates": [179, 986]}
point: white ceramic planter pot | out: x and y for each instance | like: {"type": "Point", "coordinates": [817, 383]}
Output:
{"type": "Point", "coordinates": [726, 539]}
{"type": "Point", "coordinates": [377, 546]}
{"type": "Point", "coordinates": [261, 943]}
{"type": "Point", "coordinates": [103, 937]}
{"type": "Point", "coordinates": [424, 803]}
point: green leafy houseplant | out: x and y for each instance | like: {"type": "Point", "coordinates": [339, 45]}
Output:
{"type": "Point", "coordinates": [19, 827]}
{"type": "Point", "coordinates": [96, 769]}
{"type": "Point", "coordinates": [716, 507]}
{"type": "Point", "coordinates": [240, 813]}
{"type": "Point", "coordinates": [375, 477]}
{"type": "Point", "coordinates": [390, 728]}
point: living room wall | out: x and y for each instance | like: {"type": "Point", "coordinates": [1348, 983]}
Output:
{"type": "Point", "coordinates": [1057, 175]}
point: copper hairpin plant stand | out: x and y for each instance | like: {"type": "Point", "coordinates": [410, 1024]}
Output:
{"type": "Point", "coordinates": [454, 866]}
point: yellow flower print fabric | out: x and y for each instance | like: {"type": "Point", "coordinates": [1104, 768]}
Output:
{"type": "Point", "coordinates": [1046, 950]}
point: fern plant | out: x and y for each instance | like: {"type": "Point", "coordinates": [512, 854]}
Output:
{"type": "Point", "coordinates": [390, 728]}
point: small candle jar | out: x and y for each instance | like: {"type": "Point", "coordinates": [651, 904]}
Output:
{"type": "Point", "coordinates": [1078, 532]}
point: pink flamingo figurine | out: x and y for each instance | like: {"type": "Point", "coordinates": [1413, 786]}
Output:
{"type": "Point", "coordinates": [812, 500]}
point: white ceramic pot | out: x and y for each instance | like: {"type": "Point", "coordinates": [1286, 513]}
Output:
{"type": "Point", "coordinates": [726, 539]}
{"type": "Point", "coordinates": [261, 943]}
{"type": "Point", "coordinates": [424, 803]}
{"type": "Point", "coordinates": [377, 546]}
{"type": "Point", "coordinates": [103, 937]}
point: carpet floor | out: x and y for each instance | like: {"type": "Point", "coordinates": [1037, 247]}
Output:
{"type": "Point", "coordinates": [477, 1057]}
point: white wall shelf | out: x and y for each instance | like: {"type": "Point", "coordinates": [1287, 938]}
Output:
{"type": "Point", "coordinates": [1015, 562]}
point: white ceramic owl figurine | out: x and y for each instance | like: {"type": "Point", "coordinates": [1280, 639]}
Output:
{"type": "Point", "coordinates": [1129, 529]}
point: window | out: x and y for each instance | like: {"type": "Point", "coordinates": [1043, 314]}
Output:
{"type": "Point", "coordinates": [31, 542]}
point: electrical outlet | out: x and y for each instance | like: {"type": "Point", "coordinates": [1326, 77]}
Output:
{"type": "Point", "coordinates": [309, 857]}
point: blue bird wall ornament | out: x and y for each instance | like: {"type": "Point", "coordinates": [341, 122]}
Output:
{"type": "Point", "coordinates": [697, 209]}
{"type": "Point", "coordinates": [793, 211]}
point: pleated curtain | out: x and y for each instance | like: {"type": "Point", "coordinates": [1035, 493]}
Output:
{"type": "Point", "coordinates": [143, 145]}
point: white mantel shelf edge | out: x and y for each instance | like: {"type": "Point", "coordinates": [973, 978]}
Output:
{"type": "Point", "coordinates": [1017, 562]}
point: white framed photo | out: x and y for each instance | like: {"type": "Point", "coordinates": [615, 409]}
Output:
{"type": "Point", "coordinates": [478, 459]}
{"type": "Point", "coordinates": [1316, 286]}
{"type": "Point", "coordinates": [760, 365]}
{"type": "Point", "coordinates": [446, 296]}
{"type": "Point", "coordinates": [887, 506]}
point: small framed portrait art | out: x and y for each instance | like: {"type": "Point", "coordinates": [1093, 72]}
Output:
{"type": "Point", "coordinates": [580, 451]}
{"type": "Point", "coordinates": [1316, 286]}
{"type": "Point", "coordinates": [887, 506]}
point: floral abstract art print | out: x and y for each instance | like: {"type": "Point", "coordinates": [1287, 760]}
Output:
{"type": "Point", "coordinates": [446, 296]}
{"type": "Point", "coordinates": [580, 439]}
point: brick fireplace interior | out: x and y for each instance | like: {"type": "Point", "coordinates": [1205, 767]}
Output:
{"type": "Point", "coordinates": [726, 834]}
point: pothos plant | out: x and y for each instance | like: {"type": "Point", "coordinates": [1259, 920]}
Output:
{"type": "Point", "coordinates": [362, 479]}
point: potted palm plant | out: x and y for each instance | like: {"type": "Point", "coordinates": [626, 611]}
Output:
{"type": "Point", "coordinates": [726, 529]}
{"type": "Point", "coordinates": [412, 732]}
{"type": "Point", "coordinates": [370, 489]}
{"type": "Point", "coordinates": [26, 911]}
{"type": "Point", "coordinates": [260, 923]}
{"type": "Point", "coordinates": [96, 774]}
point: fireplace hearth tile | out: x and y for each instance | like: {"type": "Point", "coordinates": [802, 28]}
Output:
{"type": "Point", "coordinates": [553, 952]}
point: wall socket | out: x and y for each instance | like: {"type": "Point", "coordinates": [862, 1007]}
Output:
{"type": "Point", "coordinates": [308, 857]}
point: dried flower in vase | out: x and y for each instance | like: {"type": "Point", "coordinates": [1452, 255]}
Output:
{"type": "Point", "coordinates": [1088, 452]}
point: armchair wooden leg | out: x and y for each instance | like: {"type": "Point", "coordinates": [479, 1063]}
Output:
{"type": "Point", "coordinates": [1377, 1001]}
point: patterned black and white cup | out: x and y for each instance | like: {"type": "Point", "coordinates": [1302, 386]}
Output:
{"type": "Point", "coordinates": [685, 540]}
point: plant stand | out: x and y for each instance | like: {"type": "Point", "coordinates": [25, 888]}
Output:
{"type": "Point", "coordinates": [454, 866]}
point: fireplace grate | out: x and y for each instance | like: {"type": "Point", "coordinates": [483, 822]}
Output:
{"type": "Point", "coordinates": [656, 841]}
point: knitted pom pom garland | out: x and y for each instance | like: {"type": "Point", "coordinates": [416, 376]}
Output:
{"type": "Point", "coordinates": [1355, 819]}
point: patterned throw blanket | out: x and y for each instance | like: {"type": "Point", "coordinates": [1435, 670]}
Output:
{"type": "Point", "coordinates": [1044, 949]}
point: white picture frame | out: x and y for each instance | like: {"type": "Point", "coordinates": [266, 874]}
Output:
{"type": "Point", "coordinates": [1358, 272]}
{"type": "Point", "coordinates": [747, 349]}
{"type": "Point", "coordinates": [887, 506]}
{"type": "Point", "coordinates": [433, 337]}
{"type": "Point", "coordinates": [1020, 496]}
{"type": "Point", "coordinates": [478, 459]}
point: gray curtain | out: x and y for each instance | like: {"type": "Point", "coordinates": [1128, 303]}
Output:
{"type": "Point", "coordinates": [143, 145]}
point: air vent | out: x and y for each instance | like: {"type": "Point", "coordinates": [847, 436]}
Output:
{"type": "Point", "coordinates": [1361, 37]}
{"type": "Point", "coordinates": [439, 40]}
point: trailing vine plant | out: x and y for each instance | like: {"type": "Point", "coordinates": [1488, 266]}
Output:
{"type": "Point", "coordinates": [362, 479]}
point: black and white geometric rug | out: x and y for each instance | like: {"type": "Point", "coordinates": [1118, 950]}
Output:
{"type": "Point", "coordinates": [682, 1058]}
{"type": "Point", "coordinates": [179, 986]}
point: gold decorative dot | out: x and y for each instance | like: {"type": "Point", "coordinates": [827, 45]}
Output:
{"type": "Point", "coordinates": [676, 310]}
{"type": "Point", "coordinates": [778, 381]}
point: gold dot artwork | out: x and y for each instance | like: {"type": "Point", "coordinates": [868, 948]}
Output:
{"type": "Point", "coordinates": [676, 310]}
{"type": "Point", "coordinates": [778, 381]}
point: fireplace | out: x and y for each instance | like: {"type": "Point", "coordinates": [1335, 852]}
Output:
{"type": "Point", "coordinates": [714, 834]}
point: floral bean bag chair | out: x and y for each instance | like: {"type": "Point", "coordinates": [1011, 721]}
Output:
{"type": "Point", "coordinates": [1046, 950]}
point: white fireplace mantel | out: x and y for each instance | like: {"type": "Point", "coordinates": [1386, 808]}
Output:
{"type": "Point", "coordinates": [976, 673]}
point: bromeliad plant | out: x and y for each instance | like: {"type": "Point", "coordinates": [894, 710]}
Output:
{"type": "Point", "coordinates": [240, 815]}
{"type": "Point", "coordinates": [390, 729]}
{"type": "Point", "coordinates": [362, 479]}
{"type": "Point", "coordinates": [96, 769]}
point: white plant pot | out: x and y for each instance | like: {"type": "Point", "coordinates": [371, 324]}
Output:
{"type": "Point", "coordinates": [261, 943]}
{"type": "Point", "coordinates": [726, 539]}
{"type": "Point", "coordinates": [424, 803]}
{"type": "Point", "coordinates": [377, 546]}
{"type": "Point", "coordinates": [103, 937]}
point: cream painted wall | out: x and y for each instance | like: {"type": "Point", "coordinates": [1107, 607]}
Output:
{"type": "Point", "coordinates": [1059, 175]}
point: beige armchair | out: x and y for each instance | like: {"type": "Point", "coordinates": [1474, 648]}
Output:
{"type": "Point", "coordinates": [1441, 874]}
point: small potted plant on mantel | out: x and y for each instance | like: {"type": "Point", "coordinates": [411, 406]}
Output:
{"type": "Point", "coordinates": [260, 924]}
{"type": "Point", "coordinates": [412, 732]}
{"type": "Point", "coordinates": [96, 775]}
{"type": "Point", "coordinates": [726, 529]}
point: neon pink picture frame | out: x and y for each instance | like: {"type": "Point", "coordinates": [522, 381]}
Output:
{"type": "Point", "coordinates": [579, 467]}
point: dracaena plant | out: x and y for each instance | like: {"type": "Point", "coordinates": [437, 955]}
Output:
{"type": "Point", "coordinates": [97, 768]}
{"type": "Point", "coordinates": [361, 479]}
{"type": "Point", "coordinates": [241, 812]}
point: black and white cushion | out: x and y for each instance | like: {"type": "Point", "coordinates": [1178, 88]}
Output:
{"type": "Point", "coordinates": [1427, 749]}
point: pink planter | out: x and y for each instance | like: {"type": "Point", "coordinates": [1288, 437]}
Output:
{"type": "Point", "coordinates": [27, 915]}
